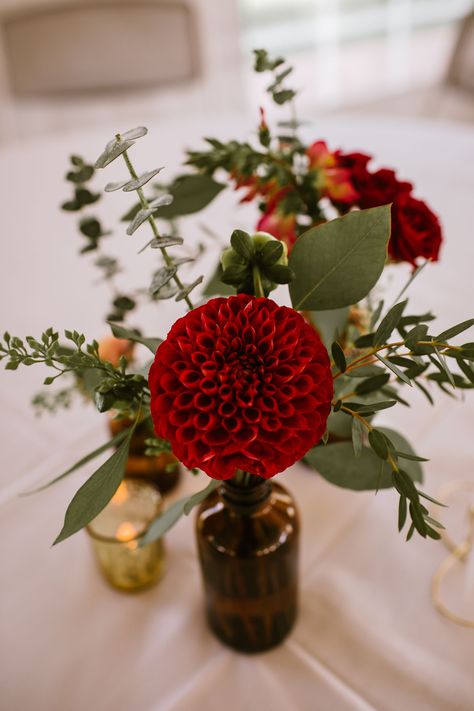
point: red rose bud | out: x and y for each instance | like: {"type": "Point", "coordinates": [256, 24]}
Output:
{"type": "Point", "coordinates": [263, 130]}
{"type": "Point", "coordinates": [241, 383]}
{"type": "Point", "coordinates": [416, 231]}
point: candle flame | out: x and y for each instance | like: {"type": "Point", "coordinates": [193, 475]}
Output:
{"type": "Point", "coordinates": [121, 494]}
{"type": "Point", "coordinates": [126, 531]}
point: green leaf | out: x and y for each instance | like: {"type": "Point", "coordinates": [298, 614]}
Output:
{"type": "Point", "coordinates": [162, 277]}
{"type": "Point", "coordinates": [404, 485]}
{"type": "Point", "coordinates": [418, 520]}
{"type": "Point", "coordinates": [357, 436]}
{"type": "Point", "coordinates": [402, 512]}
{"type": "Point", "coordinates": [410, 456]}
{"type": "Point", "coordinates": [242, 244]}
{"type": "Point", "coordinates": [376, 314]}
{"type": "Point", "coordinates": [365, 408]}
{"type": "Point", "coordinates": [389, 323]}
{"type": "Point", "coordinates": [391, 366]}
{"type": "Point", "coordinates": [141, 180]}
{"type": "Point", "coordinates": [338, 464]}
{"type": "Point", "coordinates": [271, 253]}
{"type": "Point", "coordinates": [466, 369]}
{"type": "Point", "coordinates": [418, 333]}
{"type": "Point", "coordinates": [96, 492]}
{"type": "Point", "coordinates": [234, 274]}
{"type": "Point", "coordinates": [92, 455]}
{"type": "Point", "coordinates": [113, 150]}
{"type": "Point", "coordinates": [279, 273]}
{"type": "Point", "coordinates": [191, 193]}
{"type": "Point", "coordinates": [165, 521]}
{"type": "Point", "coordinates": [365, 371]}
{"type": "Point", "coordinates": [455, 330]}
{"type": "Point", "coordinates": [378, 443]}
{"type": "Point", "coordinates": [444, 367]}
{"type": "Point", "coordinates": [330, 324]}
{"type": "Point", "coordinates": [141, 217]}
{"type": "Point", "coordinates": [215, 286]}
{"type": "Point", "coordinates": [337, 263]}
{"type": "Point", "coordinates": [372, 384]}
{"type": "Point", "coordinates": [121, 332]}
{"type": "Point", "coordinates": [339, 357]}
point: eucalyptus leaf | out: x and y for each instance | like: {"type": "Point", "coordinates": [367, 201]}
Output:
{"type": "Point", "coordinates": [338, 464]}
{"type": "Point", "coordinates": [139, 219]}
{"type": "Point", "coordinates": [141, 180]}
{"type": "Point", "coordinates": [455, 330]}
{"type": "Point", "coordinates": [357, 436]}
{"type": "Point", "coordinates": [330, 324]}
{"type": "Point", "coordinates": [92, 455]}
{"type": "Point", "coordinates": [121, 332]}
{"type": "Point", "coordinates": [337, 263]}
{"type": "Point", "coordinates": [161, 201]}
{"type": "Point", "coordinates": [389, 323]}
{"type": "Point", "coordinates": [134, 133]}
{"type": "Point", "coordinates": [365, 371]}
{"type": "Point", "coordinates": [162, 277]}
{"type": "Point", "coordinates": [191, 193]}
{"type": "Point", "coordinates": [188, 289]}
{"type": "Point", "coordinates": [378, 443]}
{"type": "Point", "coordinates": [372, 384]}
{"type": "Point", "coordinates": [166, 520]}
{"type": "Point", "coordinates": [391, 366]}
{"type": "Point", "coordinates": [112, 187]}
{"type": "Point", "coordinates": [338, 356]}
{"type": "Point", "coordinates": [96, 492]}
{"type": "Point", "coordinates": [113, 150]}
{"type": "Point", "coordinates": [162, 243]}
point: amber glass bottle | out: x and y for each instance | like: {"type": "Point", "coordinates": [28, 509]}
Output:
{"type": "Point", "coordinates": [163, 470]}
{"type": "Point", "coordinates": [248, 549]}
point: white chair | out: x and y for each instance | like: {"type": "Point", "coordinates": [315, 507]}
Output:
{"type": "Point", "coordinates": [77, 61]}
{"type": "Point", "coordinates": [99, 46]}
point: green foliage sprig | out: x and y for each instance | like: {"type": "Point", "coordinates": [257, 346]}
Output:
{"type": "Point", "coordinates": [263, 63]}
{"type": "Point", "coordinates": [113, 387]}
{"type": "Point", "coordinates": [422, 356]}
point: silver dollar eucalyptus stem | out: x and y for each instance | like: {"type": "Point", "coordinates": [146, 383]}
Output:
{"type": "Point", "coordinates": [156, 233]}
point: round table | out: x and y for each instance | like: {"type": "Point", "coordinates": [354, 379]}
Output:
{"type": "Point", "coordinates": [367, 636]}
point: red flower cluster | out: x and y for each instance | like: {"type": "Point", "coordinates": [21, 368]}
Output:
{"type": "Point", "coordinates": [347, 182]}
{"type": "Point", "coordinates": [241, 383]}
{"type": "Point", "coordinates": [416, 231]}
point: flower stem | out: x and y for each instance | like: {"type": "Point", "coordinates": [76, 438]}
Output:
{"type": "Point", "coordinates": [156, 233]}
{"type": "Point", "coordinates": [257, 282]}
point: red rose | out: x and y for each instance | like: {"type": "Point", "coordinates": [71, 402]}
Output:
{"type": "Point", "coordinates": [241, 383]}
{"type": "Point", "coordinates": [416, 231]}
{"type": "Point", "coordinates": [374, 189]}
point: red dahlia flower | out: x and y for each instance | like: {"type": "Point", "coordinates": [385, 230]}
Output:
{"type": "Point", "coordinates": [241, 383]}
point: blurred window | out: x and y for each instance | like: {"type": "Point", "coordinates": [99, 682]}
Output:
{"type": "Point", "coordinates": [358, 50]}
{"type": "Point", "coordinates": [288, 25]}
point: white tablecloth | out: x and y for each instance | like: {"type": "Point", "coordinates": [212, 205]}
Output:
{"type": "Point", "coordinates": [367, 636]}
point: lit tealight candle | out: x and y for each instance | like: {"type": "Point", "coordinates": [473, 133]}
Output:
{"type": "Point", "coordinates": [115, 535]}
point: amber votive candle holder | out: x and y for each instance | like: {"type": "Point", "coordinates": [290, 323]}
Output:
{"type": "Point", "coordinates": [116, 532]}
